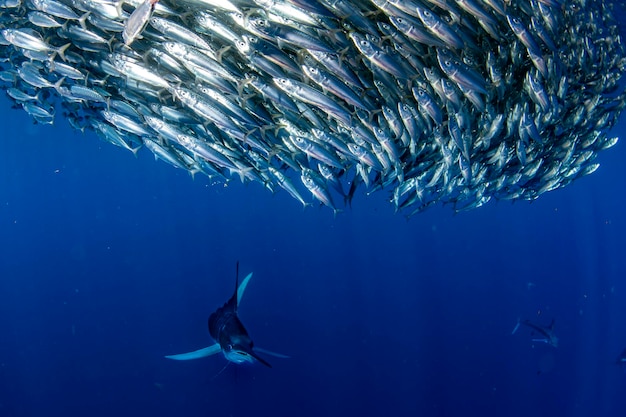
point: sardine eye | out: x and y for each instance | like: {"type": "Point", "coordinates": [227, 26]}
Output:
{"type": "Point", "coordinates": [426, 13]}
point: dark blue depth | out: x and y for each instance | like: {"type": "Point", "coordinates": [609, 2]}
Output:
{"type": "Point", "coordinates": [109, 261]}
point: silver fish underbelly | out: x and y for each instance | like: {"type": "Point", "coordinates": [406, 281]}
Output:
{"type": "Point", "coordinates": [456, 102]}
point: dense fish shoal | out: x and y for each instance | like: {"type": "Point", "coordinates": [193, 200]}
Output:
{"type": "Point", "coordinates": [430, 101]}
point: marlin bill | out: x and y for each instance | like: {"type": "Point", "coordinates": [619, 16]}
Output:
{"type": "Point", "coordinates": [455, 102]}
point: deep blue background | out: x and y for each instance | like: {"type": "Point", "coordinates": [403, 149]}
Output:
{"type": "Point", "coordinates": [109, 261]}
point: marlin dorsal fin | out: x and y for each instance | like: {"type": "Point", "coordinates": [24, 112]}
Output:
{"type": "Point", "coordinates": [239, 289]}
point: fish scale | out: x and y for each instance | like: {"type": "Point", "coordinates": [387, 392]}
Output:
{"type": "Point", "coordinates": [485, 104]}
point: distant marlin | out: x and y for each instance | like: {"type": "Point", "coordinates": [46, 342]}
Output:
{"type": "Point", "coordinates": [546, 332]}
{"type": "Point", "coordinates": [621, 359]}
{"type": "Point", "coordinates": [229, 333]}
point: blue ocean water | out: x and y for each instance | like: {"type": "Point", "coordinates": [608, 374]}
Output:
{"type": "Point", "coordinates": [109, 261]}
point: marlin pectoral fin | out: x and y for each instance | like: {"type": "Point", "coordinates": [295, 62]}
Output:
{"type": "Point", "coordinates": [242, 287]}
{"type": "Point", "coordinates": [269, 352]}
{"type": "Point", "coordinates": [197, 354]}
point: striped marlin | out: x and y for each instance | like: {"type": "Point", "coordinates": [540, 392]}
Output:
{"type": "Point", "coordinates": [229, 333]}
{"type": "Point", "coordinates": [547, 332]}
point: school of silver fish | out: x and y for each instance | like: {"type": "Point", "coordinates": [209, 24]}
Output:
{"type": "Point", "coordinates": [432, 101]}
